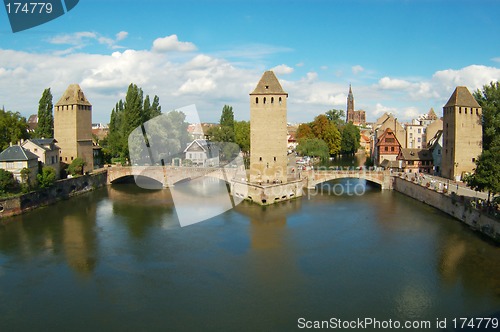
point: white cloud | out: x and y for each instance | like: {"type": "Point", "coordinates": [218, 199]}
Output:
{"type": "Point", "coordinates": [388, 83]}
{"type": "Point", "coordinates": [121, 35]}
{"type": "Point", "coordinates": [282, 70]}
{"type": "Point", "coordinates": [357, 69]}
{"type": "Point", "coordinates": [81, 39]}
{"type": "Point", "coordinates": [300, 64]}
{"type": "Point", "coordinates": [497, 59]}
{"type": "Point", "coordinates": [411, 112]}
{"type": "Point", "coordinates": [172, 43]}
{"type": "Point", "coordinates": [381, 109]}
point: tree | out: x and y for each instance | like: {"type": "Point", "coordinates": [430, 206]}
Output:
{"type": "Point", "coordinates": [304, 131]}
{"type": "Point", "coordinates": [242, 135]}
{"type": "Point", "coordinates": [489, 99]}
{"type": "Point", "coordinates": [487, 173]}
{"type": "Point", "coordinates": [76, 166]}
{"type": "Point", "coordinates": [128, 115]}
{"type": "Point", "coordinates": [227, 117]}
{"type": "Point", "coordinates": [351, 137]}
{"type": "Point", "coordinates": [313, 147]}
{"type": "Point", "coordinates": [325, 130]}
{"type": "Point", "coordinates": [336, 116]}
{"type": "Point", "coordinates": [13, 127]}
{"type": "Point", "coordinates": [45, 126]}
{"type": "Point", "coordinates": [47, 178]}
{"type": "Point", "coordinates": [8, 182]}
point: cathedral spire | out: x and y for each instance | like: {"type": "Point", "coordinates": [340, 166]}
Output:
{"type": "Point", "coordinates": [350, 106]}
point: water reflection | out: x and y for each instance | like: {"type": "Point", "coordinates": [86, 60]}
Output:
{"type": "Point", "coordinates": [256, 268]}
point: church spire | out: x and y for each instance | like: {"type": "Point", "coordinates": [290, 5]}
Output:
{"type": "Point", "coordinates": [350, 106]}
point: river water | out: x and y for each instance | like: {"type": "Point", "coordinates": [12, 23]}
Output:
{"type": "Point", "coordinates": [117, 260]}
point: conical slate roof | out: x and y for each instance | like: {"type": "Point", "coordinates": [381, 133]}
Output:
{"type": "Point", "coordinates": [269, 85]}
{"type": "Point", "coordinates": [462, 97]}
{"type": "Point", "coordinates": [73, 96]}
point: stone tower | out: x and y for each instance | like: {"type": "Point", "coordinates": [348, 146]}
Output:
{"type": "Point", "coordinates": [73, 126]}
{"type": "Point", "coordinates": [350, 106]}
{"type": "Point", "coordinates": [462, 134]}
{"type": "Point", "coordinates": [268, 133]}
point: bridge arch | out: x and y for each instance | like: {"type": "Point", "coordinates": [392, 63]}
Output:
{"type": "Point", "coordinates": [378, 177]}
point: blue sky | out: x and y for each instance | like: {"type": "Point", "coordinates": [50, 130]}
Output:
{"type": "Point", "coordinates": [402, 57]}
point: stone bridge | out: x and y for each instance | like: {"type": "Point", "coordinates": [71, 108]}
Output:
{"type": "Point", "coordinates": [169, 175]}
{"type": "Point", "coordinates": [382, 178]}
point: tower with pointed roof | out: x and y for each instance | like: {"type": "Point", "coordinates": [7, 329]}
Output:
{"type": "Point", "coordinates": [268, 133]}
{"type": "Point", "coordinates": [462, 134]}
{"type": "Point", "coordinates": [350, 106]}
{"type": "Point", "coordinates": [73, 127]}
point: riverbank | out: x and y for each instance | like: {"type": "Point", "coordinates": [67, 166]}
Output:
{"type": "Point", "coordinates": [62, 189]}
{"type": "Point", "coordinates": [461, 207]}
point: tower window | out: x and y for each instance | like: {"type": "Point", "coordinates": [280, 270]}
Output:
{"type": "Point", "coordinates": [260, 158]}
{"type": "Point", "coordinates": [274, 158]}
{"type": "Point", "coordinates": [264, 100]}
{"type": "Point", "coordinates": [272, 100]}
{"type": "Point", "coordinates": [267, 87]}
{"type": "Point", "coordinates": [473, 160]}
{"type": "Point", "coordinates": [280, 100]}
{"type": "Point", "coordinates": [256, 100]}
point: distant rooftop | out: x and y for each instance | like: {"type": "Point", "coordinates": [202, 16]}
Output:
{"type": "Point", "coordinates": [269, 85]}
{"type": "Point", "coordinates": [16, 153]}
{"type": "Point", "coordinates": [73, 96]}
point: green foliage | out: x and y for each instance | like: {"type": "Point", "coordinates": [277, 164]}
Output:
{"type": "Point", "coordinates": [325, 130]}
{"type": "Point", "coordinates": [489, 99]}
{"type": "Point", "coordinates": [45, 126]}
{"type": "Point", "coordinates": [242, 135]}
{"type": "Point", "coordinates": [168, 137]}
{"type": "Point", "coordinates": [351, 137]}
{"type": "Point", "coordinates": [336, 116]}
{"type": "Point", "coordinates": [76, 167]}
{"type": "Point", "coordinates": [8, 184]}
{"type": "Point", "coordinates": [47, 178]}
{"type": "Point", "coordinates": [13, 127]}
{"type": "Point", "coordinates": [227, 117]}
{"type": "Point", "coordinates": [125, 117]}
{"type": "Point", "coordinates": [225, 131]}
{"type": "Point", "coordinates": [313, 147]}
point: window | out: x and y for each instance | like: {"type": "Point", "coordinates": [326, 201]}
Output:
{"type": "Point", "coordinates": [19, 164]}
{"type": "Point", "coordinates": [419, 139]}
{"type": "Point", "coordinates": [473, 160]}
{"type": "Point", "coordinates": [280, 100]}
{"type": "Point", "coordinates": [439, 151]}
{"type": "Point", "coordinates": [392, 148]}
{"type": "Point", "coordinates": [264, 100]}
{"type": "Point", "coordinates": [10, 165]}
{"type": "Point", "coordinates": [267, 87]}
{"type": "Point", "coordinates": [419, 130]}
{"type": "Point", "coordinates": [411, 135]}
{"type": "Point", "coordinates": [260, 159]}
{"type": "Point", "coordinates": [256, 100]}
{"type": "Point", "coordinates": [53, 160]}
{"type": "Point", "coordinates": [274, 158]}
{"type": "Point", "coordinates": [386, 148]}
{"type": "Point", "coordinates": [35, 150]}
{"type": "Point", "coordinates": [71, 158]}
{"type": "Point", "coordinates": [272, 100]}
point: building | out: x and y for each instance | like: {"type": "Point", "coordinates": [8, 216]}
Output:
{"type": "Point", "coordinates": [415, 136]}
{"type": "Point", "coordinates": [73, 127]}
{"type": "Point", "coordinates": [358, 118]}
{"type": "Point", "coordinates": [388, 120]}
{"type": "Point", "coordinates": [15, 158]}
{"type": "Point", "coordinates": [202, 153]}
{"type": "Point", "coordinates": [415, 160]}
{"type": "Point", "coordinates": [388, 147]}
{"type": "Point", "coordinates": [436, 148]}
{"type": "Point", "coordinates": [432, 129]}
{"type": "Point", "coordinates": [46, 150]}
{"type": "Point", "coordinates": [462, 134]}
{"type": "Point", "coordinates": [268, 131]}
{"type": "Point", "coordinates": [365, 144]}
{"type": "Point", "coordinates": [32, 123]}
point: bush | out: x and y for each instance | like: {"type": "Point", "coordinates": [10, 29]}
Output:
{"type": "Point", "coordinates": [8, 182]}
{"type": "Point", "coordinates": [76, 167]}
{"type": "Point", "coordinates": [47, 177]}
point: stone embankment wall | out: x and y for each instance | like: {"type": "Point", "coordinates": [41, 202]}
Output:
{"type": "Point", "coordinates": [454, 205]}
{"type": "Point", "coordinates": [62, 189]}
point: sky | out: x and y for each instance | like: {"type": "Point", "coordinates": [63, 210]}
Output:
{"type": "Point", "coordinates": [402, 57]}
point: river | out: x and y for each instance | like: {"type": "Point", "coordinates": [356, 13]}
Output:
{"type": "Point", "coordinates": [116, 259]}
